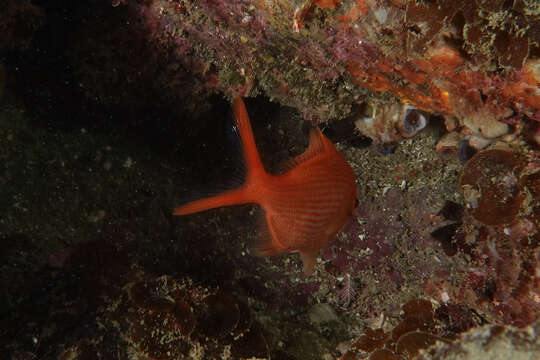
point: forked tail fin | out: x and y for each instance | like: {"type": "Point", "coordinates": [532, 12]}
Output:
{"type": "Point", "coordinates": [253, 166]}
{"type": "Point", "coordinates": [249, 149]}
{"type": "Point", "coordinates": [229, 197]}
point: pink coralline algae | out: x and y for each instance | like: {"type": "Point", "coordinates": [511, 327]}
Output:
{"type": "Point", "coordinates": [499, 231]}
{"type": "Point", "coordinates": [420, 327]}
{"type": "Point", "coordinates": [456, 230]}
{"type": "Point", "coordinates": [476, 65]}
{"type": "Point", "coordinates": [163, 317]}
{"type": "Point", "coordinates": [393, 67]}
{"type": "Point", "coordinates": [382, 235]}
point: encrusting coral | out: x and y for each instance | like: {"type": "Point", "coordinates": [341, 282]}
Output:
{"type": "Point", "coordinates": [476, 63]}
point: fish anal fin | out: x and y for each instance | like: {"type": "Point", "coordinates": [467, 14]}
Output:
{"type": "Point", "coordinates": [316, 147]}
{"type": "Point", "coordinates": [309, 259]}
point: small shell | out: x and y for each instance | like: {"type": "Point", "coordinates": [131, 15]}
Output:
{"type": "Point", "coordinates": [450, 123]}
{"type": "Point", "coordinates": [448, 143]}
{"type": "Point", "coordinates": [411, 121]}
{"type": "Point", "coordinates": [390, 122]}
{"type": "Point", "coordinates": [486, 125]}
{"type": "Point", "coordinates": [378, 121]}
{"type": "Point", "coordinates": [479, 142]}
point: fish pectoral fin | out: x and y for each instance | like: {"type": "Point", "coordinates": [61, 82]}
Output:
{"type": "Point", "coordinates": [274, 240]}
{"type": "Point", "coordinates": [309, 259]}
{"type": "Point", "coordinates": [269, 241]}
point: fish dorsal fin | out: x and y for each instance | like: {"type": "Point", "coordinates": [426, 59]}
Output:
{"type": "Point", "coordinates": [317, 146]}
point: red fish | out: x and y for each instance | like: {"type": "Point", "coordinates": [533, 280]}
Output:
{"type": "Point", "coordinates": [304, 207]}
